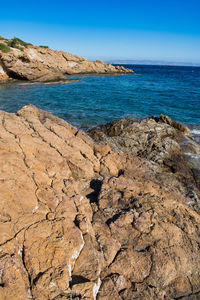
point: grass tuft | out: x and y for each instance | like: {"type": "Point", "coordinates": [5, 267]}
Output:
{"type": "Point", "coordinates": [20, 42]}
{"type": "Point", "coordinates": [4, 48]}
{"type": "Point", "coordinates": [17, 43]}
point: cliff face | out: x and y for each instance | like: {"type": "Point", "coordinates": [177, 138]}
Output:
{"type": "Point", "coordinates": [43, 64]}
{"type": "Point", "coordinates": [84, 220]}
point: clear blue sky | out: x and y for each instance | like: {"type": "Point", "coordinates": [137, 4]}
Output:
{"type": "Point", "coordinates": [112, 29]}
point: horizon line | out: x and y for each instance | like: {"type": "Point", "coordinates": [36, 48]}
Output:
{"type": "Point", "coordinates": [152, 62]}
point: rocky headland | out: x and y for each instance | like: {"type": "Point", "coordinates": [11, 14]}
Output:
{"type": "Point", "coordinates": [21, 60]}
{"type": "Point", "coordinates": [111, 214]}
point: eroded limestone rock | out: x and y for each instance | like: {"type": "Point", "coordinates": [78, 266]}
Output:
{"type": "Point", "coordinates": [117, 219]}
{"type": "Point", "coordinates": [34, 63]}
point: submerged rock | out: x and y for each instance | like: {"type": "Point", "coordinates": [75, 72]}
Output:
{"type": "Point", "coordinates": [113, 217]}
{"type": "Point", "coordinates": [28, 62]}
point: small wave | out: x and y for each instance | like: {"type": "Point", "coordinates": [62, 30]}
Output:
{"type": "Point", "coordinates": [194, 160]}
{"type": "Point", "coordinates": [195, 131]}
{"type": "Point", "coordinates": [192, 155]}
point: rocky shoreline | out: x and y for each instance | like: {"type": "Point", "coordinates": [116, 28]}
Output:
{"type": "Point", "coordinates": [109, 214]}
{"type": "Point", "coordinates": [22, 61]}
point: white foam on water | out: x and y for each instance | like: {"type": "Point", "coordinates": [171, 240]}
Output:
{"type": "Point", "coordinates": [192, 155]}
{"type": "Point", "coordinates": [195, 131]}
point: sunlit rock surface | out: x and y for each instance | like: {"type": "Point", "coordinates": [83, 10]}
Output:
{"type": "Point", "coordinates": [113, 217]}
{"type": "Point", "coordinates": [41, 64]}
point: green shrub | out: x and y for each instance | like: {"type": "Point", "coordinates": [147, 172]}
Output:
{"type": "Point", "coordinates": [44, 46]}
{"type": "Point", "coordinates": [12, 43]}
{"type": "Point", "coordinates": [18, 47]}
{"type": "Point", "coordinates": [4, 48]}
{"type": "Point", "coordinates": [19, 41]}
{"type": "Point", "coordinates": [16, 41]}
{"type": "Point", "coordinates": [1, 38]}
{"type": "Point", "coordinates": [9, 43]}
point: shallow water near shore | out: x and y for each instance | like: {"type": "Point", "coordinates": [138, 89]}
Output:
{"type": "Point", "coordinates": [170, 90]}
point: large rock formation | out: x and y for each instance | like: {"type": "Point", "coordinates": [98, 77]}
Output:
{"type": "Point", "coordinates": [79, 220]}
{"type": "Point", "coordinates": [28, 62]}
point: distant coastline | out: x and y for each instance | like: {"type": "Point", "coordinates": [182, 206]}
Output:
{"type": "Point", "coordinates": [153, 63]}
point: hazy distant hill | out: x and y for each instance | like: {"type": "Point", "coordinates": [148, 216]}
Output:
{"type": "Point", "coordinates": [153, 62]}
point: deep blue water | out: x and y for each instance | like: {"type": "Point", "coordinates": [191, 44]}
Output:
{"type": "Point", "coordinates": [170, 90]}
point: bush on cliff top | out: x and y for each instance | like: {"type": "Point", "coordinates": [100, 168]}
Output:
{"type": "Point", "coordinates": [20, 42]}
{"type": "Point", "coordinates": [15, 42]}
{"type": "Point", "coordinates": [44, 46]}
{"type": "Point", "coordinates": [4, 48]}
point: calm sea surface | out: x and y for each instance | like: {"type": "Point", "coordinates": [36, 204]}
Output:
{"type": "Point", "coordinates": [170, 90]}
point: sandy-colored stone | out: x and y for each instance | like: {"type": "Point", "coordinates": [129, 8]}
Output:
{"type": "Point", "coordinates": [46, 65]}
{"type": "Point", "coordinates": [79, 220]}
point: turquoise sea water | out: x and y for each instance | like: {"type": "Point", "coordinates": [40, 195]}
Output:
{"type": "Point", "coordinates": [170, 90]}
